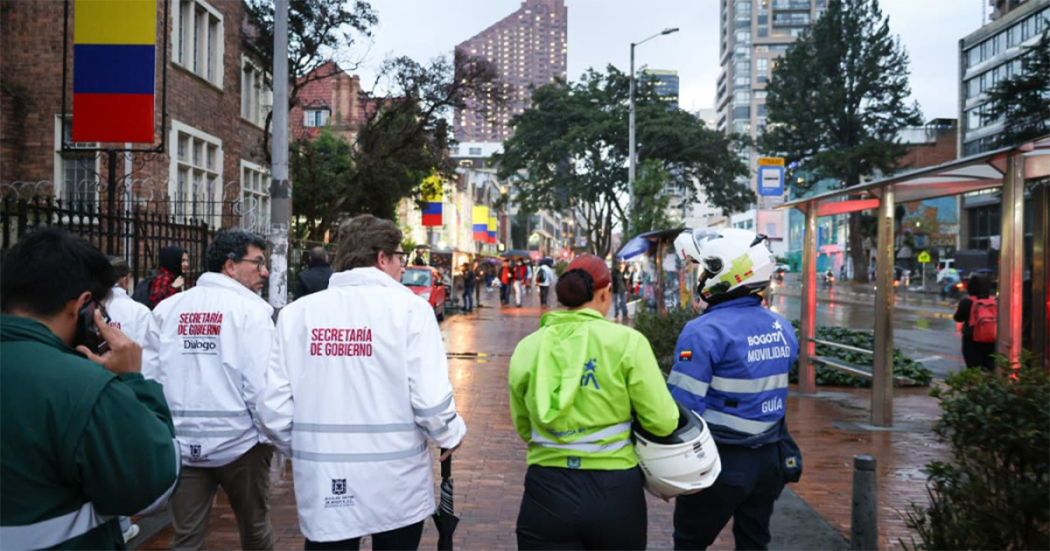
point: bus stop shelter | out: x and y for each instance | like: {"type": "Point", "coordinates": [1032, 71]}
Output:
{"type": "Point", "coordinates": [1008, 169]}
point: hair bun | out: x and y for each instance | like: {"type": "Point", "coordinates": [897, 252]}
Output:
{"type": "Point", "coordinates": [575, 288]}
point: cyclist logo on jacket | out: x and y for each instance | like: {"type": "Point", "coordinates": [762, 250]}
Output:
{"type": "Point", "coordinates": [588, 374]}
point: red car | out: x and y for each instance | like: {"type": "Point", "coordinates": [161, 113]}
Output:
{"type": "Point", "coordinates": [426, 282]}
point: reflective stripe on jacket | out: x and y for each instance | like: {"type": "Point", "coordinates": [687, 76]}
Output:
{"type": "Point", "coordinates": [574, 385]}
{"type": "Point", "coordinates": [358, 382]}
{"type": "Point", "coordinates": [209, 347]}
{"type": "Point", "coordinates": [731, 366]}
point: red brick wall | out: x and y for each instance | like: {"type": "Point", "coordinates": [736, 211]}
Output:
{"type": "Point", "coordinates": [340, 93]}
{"type": "Point", "coordinates": [31, 67]}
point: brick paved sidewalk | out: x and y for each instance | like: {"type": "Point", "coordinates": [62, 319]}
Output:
{"type": "Point", "coordinates": [489, 469]}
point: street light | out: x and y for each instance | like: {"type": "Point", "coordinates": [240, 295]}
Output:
{"type": "Point", "coordinates": [631, 170]}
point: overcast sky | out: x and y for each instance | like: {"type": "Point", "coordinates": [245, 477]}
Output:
{"type": "Point", "coordinates": [600, 33]}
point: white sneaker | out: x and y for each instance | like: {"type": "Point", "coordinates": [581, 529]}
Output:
{"type": "Point", "coordinates": [131, 532]}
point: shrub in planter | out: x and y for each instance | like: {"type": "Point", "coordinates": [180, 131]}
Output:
{"type": "Point", "coordinates": [825, 376]}
{"type": "Point", "coordinates": [662, 332]}
{"type": "Point", "coordinates": [994, 493]}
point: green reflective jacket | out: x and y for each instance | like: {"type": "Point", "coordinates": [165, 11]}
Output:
{"type": "Point", "coordinates": [575, 385]}
{"type": "Point", "coordinates": [78, 444]}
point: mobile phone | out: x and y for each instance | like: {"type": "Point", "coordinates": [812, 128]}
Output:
{"type": "Point", "coordinates": [87, 332]}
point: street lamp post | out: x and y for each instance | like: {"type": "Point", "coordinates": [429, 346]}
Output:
{"type": "Point", "coordinates": [631, 152]}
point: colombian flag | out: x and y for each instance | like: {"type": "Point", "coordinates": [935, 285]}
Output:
{"type": "Point", "coordinates": [492, 229]}
{"type": "Point", "coordinates": [481, 224]}
{"type": "Point", "coordinates": [114, 70]}
{"type": "Point", "coordinates": [432, 197]}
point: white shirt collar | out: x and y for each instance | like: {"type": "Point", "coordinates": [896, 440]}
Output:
{"type": "Point", "coordinates": [118, 292]}
{"type": "Point", "coordinates": [223, 281]}
{"type": "Point", "coordinates": [365, 277]}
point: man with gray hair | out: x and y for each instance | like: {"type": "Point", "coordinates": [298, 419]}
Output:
{"type": "Point", "coordinates": [315, 277]}
{"type": "Point", "coordinates": [209, 346]}
{"type": "Point", "coordinates": [357, 385]}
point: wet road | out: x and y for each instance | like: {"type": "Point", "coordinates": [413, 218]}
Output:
{"type": "Point", "coordinates": [923, 335]}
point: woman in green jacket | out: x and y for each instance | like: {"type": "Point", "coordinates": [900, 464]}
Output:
{"type": "Point", "coordinates": [575, 385]}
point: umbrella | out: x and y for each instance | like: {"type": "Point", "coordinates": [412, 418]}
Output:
{"type": "Point", "coordinates": [445, 518]}
{"type": "Point", "coordinates": [547, 261]}
{"type": "Point", "coordinates": [641, 243]}
{"type": "Point", "coordinates": [515, 253]}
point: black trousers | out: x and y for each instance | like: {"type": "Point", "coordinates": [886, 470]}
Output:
{"type": "Point", "coordinates": [978, 354]}
{"type": "Point", "coordinates": [404, 538]}
{"type": "Point", "coordinates": [582, 509]}
{"type": "Point", "coordinates": [544, 291]}
{"type": "Point", "coordinates": [751, 481]}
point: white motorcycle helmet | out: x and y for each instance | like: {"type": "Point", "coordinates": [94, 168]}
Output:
{"type": "Point", "coordinates": [734, 262]}
{"type": "Point", "coordinates": [683, 462]}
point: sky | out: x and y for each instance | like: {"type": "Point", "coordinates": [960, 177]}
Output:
{"type": "Point", "coordinates": [600, 33]}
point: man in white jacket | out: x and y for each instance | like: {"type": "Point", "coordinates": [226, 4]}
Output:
{"type": "Point", "coordinates": [209, 347]}
{"type": "Point", "coordinates": [357, 383]}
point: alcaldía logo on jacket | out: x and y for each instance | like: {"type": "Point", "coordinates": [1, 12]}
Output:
{"type": "Point", "coordinates": [340, 496]}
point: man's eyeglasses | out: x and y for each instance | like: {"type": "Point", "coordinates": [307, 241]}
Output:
{"type": "Point", "coordinates": [260, 263]}
{"type": "Point", "coordinates": [400, 256]}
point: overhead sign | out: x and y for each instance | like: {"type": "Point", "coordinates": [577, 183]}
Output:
{"type": "Point", "coordinates": [114, 70]}
{"type": "Point", "coordinates": [924, 257]}
{"type": "Point", "coordinates": [771, 180]}
{"type": "Point", "coordinates": [771, 161]}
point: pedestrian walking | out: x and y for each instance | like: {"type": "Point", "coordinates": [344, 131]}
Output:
{"type": "Point", "coordinates": [84, 437]}
{"type": "Point", "coordinates": [479, 280]}
{"type": "Point", "coordinates": [583, 489]}
{"type": "Point", "coordinates": [544, 276]}
{"type": "Point", "coordinates": [315, 277]}
{"type": "Point", "coordinates": [619, 290]}
{"type": "Point", "coordinates": [978, 312]}
{"type": "Point", "coordinates": [842, 273]}
{"type": "Point", "coordinates": [469, 281]}
{"type": "Point", "coordinates": [209, 348]}
{"type": "Point", "coordinates": [731, 367]}
{"type": "Point", "coordinates": [521, 277]}
{"type": "Point", "coordinates": [506, 278]}
{"type": "Point", "coordinates": [134, 320]}
{"type": "Point", "coordinates": [358, 383]}
{"type": "Point", "coordinates": [170, 278]}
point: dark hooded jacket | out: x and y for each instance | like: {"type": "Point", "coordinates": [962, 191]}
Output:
{"type": "Point", "coordinates": [170, 269]}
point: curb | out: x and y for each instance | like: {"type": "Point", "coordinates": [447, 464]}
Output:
{"type": "Point", "coordinates": [858, 302]}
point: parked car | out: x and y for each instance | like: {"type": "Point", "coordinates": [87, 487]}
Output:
{"type": "Point", "coordinates": [425, 281]}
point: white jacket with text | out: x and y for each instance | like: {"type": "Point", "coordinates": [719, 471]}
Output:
{"type": "Point", "coordinates": [358, 381]}
{"type": "Point", "coordinates": [209, 346]}
{"type": "Point", "coordinates": [132, 318]}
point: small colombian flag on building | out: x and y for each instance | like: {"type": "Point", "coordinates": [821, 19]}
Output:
{"type": "Point", "coordinates": [114, 70]}
{"type": "Point", "coordinates": [492, 229]}
{"type": "Point", "coordinates": [433, 199]}
{"type": "Point", "coordinates": [481, 224]}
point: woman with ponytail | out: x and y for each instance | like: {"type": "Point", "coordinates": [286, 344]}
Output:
{"type": "Point", "coordinates": [575, 386]}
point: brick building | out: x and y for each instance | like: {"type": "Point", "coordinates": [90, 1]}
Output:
{"type": "Point", "coordinates": [529, 49]}
{"type": "Point", "coordinates": [213, 167]}
{"type": "Point", "coordinates": [330, 98]}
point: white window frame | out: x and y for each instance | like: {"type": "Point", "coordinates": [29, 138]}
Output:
{"type": "Point", "coordinates": [188, 167]}
{"type": "Point", "coordinates": [255, 216]}
{"type": "Point", "coordinates": [256, 101]}
{"type": "Point", "coordinates": [183, 35]}
{"type": "Point", "coordinates": [309, 122]}
{"type": "Point", "coordinates": [59, 166]}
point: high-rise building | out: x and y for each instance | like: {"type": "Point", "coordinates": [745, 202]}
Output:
{"type": "Point", "coordinates": [754, 34]}
{"type": "Point", "coordinates": [529, 49]}
{"type": "Point", "coordinates": [666, 84]}
{"type": "Point", "coordinates": [988, 55]}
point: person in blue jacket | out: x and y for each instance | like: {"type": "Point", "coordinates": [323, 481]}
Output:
{"type": "Point", "coordinates": [731, 367]}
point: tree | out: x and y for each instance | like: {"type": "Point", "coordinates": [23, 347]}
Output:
{"type": "Point", "coordinates": [569, 153]}
{"type": "Point", "coordinates": [320, 169]}
{"type": "Point", "coordinates": [651, 203]}
{"type": "Point", "coordinates": [1023, 100]}
{"type": "Point", "coordinates": [317, 29]}
{"type": "Point", "coordinates": [837, 102]}
{"type": "Point", "coordinates": [403, 140]}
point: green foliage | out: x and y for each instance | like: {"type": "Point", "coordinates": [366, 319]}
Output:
{"type": "Point", "coordinates": [836, 104]}
{"type": "Point", "coordinates": [320, 170]}
{"type": "Point", "coordinates": [1023, 100]}
{"type": "Point", "coordinates": [570, 148]}
{"type": "Point", "coordinates": [650, 204]}
{"type": "Point", "coordinates": [825, 376]}
{"type": "Point", "coordinates": [994, 493]}
{"type": "Point", "coordinates": [560, 267]}
{"type": "Point", "coordinates": [662, 332]}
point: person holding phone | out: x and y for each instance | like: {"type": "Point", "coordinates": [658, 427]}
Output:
{"type": "Point", "coordinates": [76, 424]}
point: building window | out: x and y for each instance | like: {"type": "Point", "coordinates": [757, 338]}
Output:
{"type": "Point", "coordinates": [195, 188]}
{"type": "Point", "coordinates": [762, 65]}
{"type": "Point", "coordinates": [256, 92]}
{"type": "Point", "coordinates": [255, 198]}
{"type": "Point", "coordinates": [790, 19]}
{"type": "Point", "coordinates": [76, 174]}
{"type": "Point", "coordinates": [315, 118]}
{"type": "Point", "coordinates": [198, 40]}
{"type": "Point", "coordinates": [474, 151]}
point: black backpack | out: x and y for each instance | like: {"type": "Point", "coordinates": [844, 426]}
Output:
{"type": "Point", "coordinates": [141, 294]}
{"type": "Point", "coordinates": [541, 275]}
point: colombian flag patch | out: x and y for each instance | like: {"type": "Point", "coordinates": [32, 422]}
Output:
{"type": "Point", "coordinates": [685, 356]}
